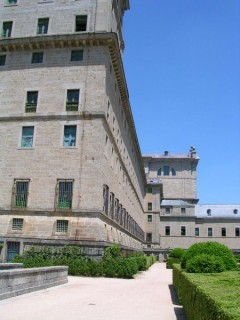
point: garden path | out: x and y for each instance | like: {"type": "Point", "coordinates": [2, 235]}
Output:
{"type": "Point", "coordinates": [149, 296]}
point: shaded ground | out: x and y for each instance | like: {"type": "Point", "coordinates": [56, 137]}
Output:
{"type": "Point", "coordinates": [149, 296]}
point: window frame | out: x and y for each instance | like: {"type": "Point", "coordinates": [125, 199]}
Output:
{"type": "Point", "coordinates": [44, 27]}
{"type": "Point", "coordinates": [149, 237]}
{"type": "Point", "coordinates": [149, 206]}
{"type": "Point", "coordinates": [197, 232]}
{"type": "Point", "coordinates": [223, 231]}
{"type": "Point", "coordinates": [67, 202]}
{"type": "Point", "coordinates": [74, 55]}
{"type": "Point", "coordinates": [3, 59]}
{"type": "Point", "coordinates": [7, 32]}
{"type": "Point", "coordinates": [167, 231]}
{"type": "Point", "coordinates": [71, 104]}
{"type": "Point", "coordinates": [209, 231]}
{"type": "Point", "coordinates": [23, 196]}
{"type": "Point", "coordinates": [62, 226]}
{"type": "Point", "coordinates": [79, 25]}
{"type": "Point", "coordinates": [166, 171]}
{"type": "Point", "coordinates": [35, 57]}
{"type": "Point", "coordinates": [149, 218]}
{"type": "Point", "coordinates": [183, 231]}
{"type": "Point", "coordinates": [237, 232]}
{"type": "Point", "coordinates": [25, 137]}
{"type": "Point", "coordinates": [31, 106]}
{"type": "Point", "coordinates": [17, 224]}
{"type": "Point", "coordinates": [71, 141]}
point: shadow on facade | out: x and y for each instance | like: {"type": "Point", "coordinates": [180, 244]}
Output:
{"type": "Point", "coordinates": [178, 308]}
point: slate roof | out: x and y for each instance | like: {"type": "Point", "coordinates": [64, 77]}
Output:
{"type": "Point", "coordinates": [217, 211]}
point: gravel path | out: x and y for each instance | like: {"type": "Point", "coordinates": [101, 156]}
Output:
{"type": "Point", "coordinates": [148, 297]}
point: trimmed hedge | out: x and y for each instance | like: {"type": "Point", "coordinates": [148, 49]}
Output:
{"type": "Point", "coordinates": [204, 263]}
{"type": "Point", "coordinates": [197, 302]}
{"type": "Point", "coordinates": [177, 253]}
{"type": "Point", "coordinates": [171, 261]}
{"type": "Point", "coordinates": [113, 264]}
{"type": "Point", "coordinates": [212, 248]}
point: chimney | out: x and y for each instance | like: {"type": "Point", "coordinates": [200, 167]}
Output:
{"type": "Point", "coordinates": [166, 153]}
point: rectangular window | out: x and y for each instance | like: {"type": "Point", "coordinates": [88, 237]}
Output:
{"type": "Point", "coordinates": [105, 198]}
{"type": "Point", "coordinates": [27, 137]}
{"type": "Point", "coordinates": [65, 192]}
{"type": "Point", "coordinates": [77, 55]}
{"type": "Point", "coordinates": [11, 1]}
{"type": "Point", "coordinates": [72, 100]}
{"type": "Point", "coordinates": [17, 224]}
{"type": "Point", "coordinates": [183, 210]}
{"type": "Point", "coordinates": [37, 57]}
{"type": "Point", "coordinates": [210, 233]}
{"type": "Point", "coordinates": [167, 230]}
{"type": "Point", "coordinates": [196, 232]}
{"type": "Point", "coordinates": [62, 226]}
{"type": "Point", "coordinates": [69, 136]}
{"type": "Point", "coordinates": [183, 230]}
{"type": "Point", "coordinates": [7, 29]}
{"type": "Point", "coordinates": [42, 27]}
{"type": "Point", "coordinates": [81, 23]}
{"type": "Point", "coordinates": [20, 193]}
{"type": "Point", "coordinates": [237, 232]}
{"type": "Point", "coordinates": [148, 237]}
{"type": "Point", "coordinates": [224, 232]}
{"type": "Point", "coordinates": [167, 210]}
{"type": "Point", "coordinates": [149, 218]}
{"type": "Point", "coordinates": [149, 190]}
{"type": "Point", "coordinates": [166, 170]}
{"type": "Point", "coordinates": [149, 206]}
{"type": "Point", "coordinates": [2, 60]}
{"type": "Point", "coordinates": [31, 103]}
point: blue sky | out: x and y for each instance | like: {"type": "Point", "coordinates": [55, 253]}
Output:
{"type": "Point", "coordinates": [182, 64]}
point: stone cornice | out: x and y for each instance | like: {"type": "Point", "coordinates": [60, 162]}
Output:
{"type": "Point", "coordinates": [109, 40]}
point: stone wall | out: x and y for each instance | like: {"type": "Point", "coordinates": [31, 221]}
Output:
{"type": "Point", "coordinates": [20, 281]}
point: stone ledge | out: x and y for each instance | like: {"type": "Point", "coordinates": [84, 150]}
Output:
{"type": "Point", "coordinates": [9, 266]}
{"type": "Point", "coordinates": [19, 281]}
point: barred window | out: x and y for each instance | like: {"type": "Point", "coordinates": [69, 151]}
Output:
{"type": "Point", "coordinates": [65, 193]}
{"type": "Point", "coordinates": [210, 232]}
{"type": "Point", "coordinates": [111, 200]}
{"type": "Point", "coordinates": [62, 226]}
{"type": "Point", "coordinates": [149, 206]}
{"type": "Point", "coordinates": [196, 232]}
{"type": "Point", "coordinates": [149, 218]}
{"type": "Point", "coordinates": [20, 193]}
{"type": "Point", "coordinates": [17, 224]}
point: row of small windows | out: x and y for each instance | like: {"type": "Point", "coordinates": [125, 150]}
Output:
{"type": "Point", "coordinates": [64, 193]}
{"type": "Point", "coordinates": [38, 57]}
{"type": "Point", "coordinates": [183, 232]}
{"type": "Point", "coordinates": [72, 100]}
{"type": "Point", "coordinates": [168, 210]}
{"type": "Point", "coordinates": [69, 136]}
{"type": "Point", "coordinates": [43, 26]}
{"type": "Point", "coordinates": [115, 210]}
{"type": "Point", "coordinates": [61, 225]}
{"type": "Point", "coordinates": [166, 171]}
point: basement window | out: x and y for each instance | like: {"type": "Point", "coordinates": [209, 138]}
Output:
{"type": "Point", "coordinates": [62, 226]}
{"type": "Point", "coordinates": [17, 224]}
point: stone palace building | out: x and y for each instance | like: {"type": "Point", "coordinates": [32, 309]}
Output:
{"type": "Point", "coordinates": [71, 169]}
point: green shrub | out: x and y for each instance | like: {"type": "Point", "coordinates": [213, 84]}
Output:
{"type": "Point", "coordinates": [212, 248]}
{"type": "Point", "coordinates": [171, 261]}
{"type": "Point", "coordinates": [177, 253]}
{"type": "Point", "coordinates": [205, 263]}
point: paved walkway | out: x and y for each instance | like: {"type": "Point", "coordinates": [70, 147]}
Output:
{"type": "Point", "coordinates": [149, 296]}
